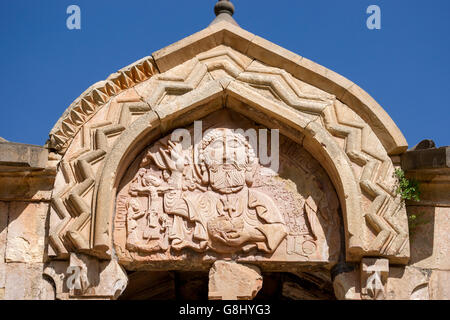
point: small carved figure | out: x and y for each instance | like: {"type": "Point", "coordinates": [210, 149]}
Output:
{"type": "Point", "coordinates": [148, 184]}
{"type": "Point", "coordinates": [134, 213]}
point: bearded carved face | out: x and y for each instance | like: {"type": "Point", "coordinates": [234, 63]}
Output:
{"type": "Point", "coordinates": [229, 160]}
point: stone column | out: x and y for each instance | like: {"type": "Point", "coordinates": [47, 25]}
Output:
{"type": "Point", "coordinates": [233, 281]}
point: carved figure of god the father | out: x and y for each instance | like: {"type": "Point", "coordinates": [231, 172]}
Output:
{"type": "Point", "coordinates": [228, 216]}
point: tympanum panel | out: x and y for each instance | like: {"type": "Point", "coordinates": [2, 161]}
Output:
{"type": "Point", "coordinates": [193, 205]}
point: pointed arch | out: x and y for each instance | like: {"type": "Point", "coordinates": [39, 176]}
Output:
{"type": "Point", "coordinates": [149, 127]}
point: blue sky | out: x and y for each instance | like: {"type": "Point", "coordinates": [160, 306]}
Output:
{"type": "Point", "coordinates": [404, 66]}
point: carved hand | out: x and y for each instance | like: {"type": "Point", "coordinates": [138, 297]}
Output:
{"type": "Point", "coordinates": [176, 152]}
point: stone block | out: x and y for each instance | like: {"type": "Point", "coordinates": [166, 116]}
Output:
{"type": "Point", "coordinates": [440, 285]}
{"type": "Point", "coordinates": [426, 159]}
{"type": "Point", "coordinates": [430, 240]}
{"type": "Point", "coordinates": [370, 265]}
{"type": "Point", "coordinates": [232, 281]}
{"type": "Point", "coordinates": [26, 232]}
{"type": "Point", "coordinates": [272, 54]}
{"type": "Point", "coordinates": [22, 156]}
{"type": "Point", "coordinates": [442, 238]}
{"type": "Point", "coordinates": [95, 279]}
{"type": "Point", "coordinates": [2, 275]}
{"type": "Point", "coordinates": [185, 49]}
{"type": "Point", "coordinates": [407, 284]}
{"type": "Point", "coordinates": [374, 275]}
{"type": "Point", "coordinates": [319, 76]}
{"type": "Point", "coordinates": [235, 37]}
{"type": "Point", "coordinates": [26, 186]}
{"type": "Point", "coordinates": [25, 282]}
{"type": "Point", "coordinates": [219, 33]}
{"type": "Point", "coordinates": [347, 286]}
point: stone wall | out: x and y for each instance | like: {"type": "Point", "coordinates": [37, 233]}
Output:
{"type": "Point", "coordinates": [428, 274]}
{"type": "Point", "coordinates": [25, 192]}
{"type": "Point", "coordinates": [22, 244]}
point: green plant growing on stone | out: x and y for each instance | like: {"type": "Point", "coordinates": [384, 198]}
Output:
{"type": "Point", "coordinates": [409, 189]}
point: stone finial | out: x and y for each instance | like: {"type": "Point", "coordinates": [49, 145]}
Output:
{"type": "Point", "coordinates": [224, 11]}
{"type": "Point", "coordinates": [224, 6]}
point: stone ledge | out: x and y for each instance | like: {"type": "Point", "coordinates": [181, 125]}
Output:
{"type": "Point", "coordinates": [431, 168]}
{"type": "Point", "coordinates": [22, 157]}
{"type": "Point", "coordinates": [436, 159]}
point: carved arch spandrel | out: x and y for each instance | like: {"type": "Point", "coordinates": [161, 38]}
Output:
{"type": "Point", "coordinates": [273, 97]}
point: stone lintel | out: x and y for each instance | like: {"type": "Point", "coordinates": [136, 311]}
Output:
{"type": "Point", "coordinates": [22, 157]}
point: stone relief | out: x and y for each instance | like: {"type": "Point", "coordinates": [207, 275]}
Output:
{"type": "Point", "coordinates": [385, 224]}
{"type": "Point", "coordinates": [216, 199]}
{"type": "Point", "coordinates": [228, 217]}
{"type": "Point", "coordinates": [302, 241]}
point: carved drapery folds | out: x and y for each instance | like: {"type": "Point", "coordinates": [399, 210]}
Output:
{"type": "Point", "coordinates": [98, 146]}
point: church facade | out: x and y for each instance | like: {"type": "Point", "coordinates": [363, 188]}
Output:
{"type": "Point", "coordinates": [224, 167]}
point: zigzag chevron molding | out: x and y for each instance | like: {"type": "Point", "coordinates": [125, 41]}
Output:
{"type": "Point", "coordinates": [85, 107]}
{"type": "Point", "coordinates": [87, 132]}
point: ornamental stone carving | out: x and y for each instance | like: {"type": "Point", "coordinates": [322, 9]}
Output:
{"type": "Point", "coordinates": [132, 203]}
{"type": "Point", "coordinates": [215, 200]}
{"type": "Point", "coordinates": [222, 67]}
